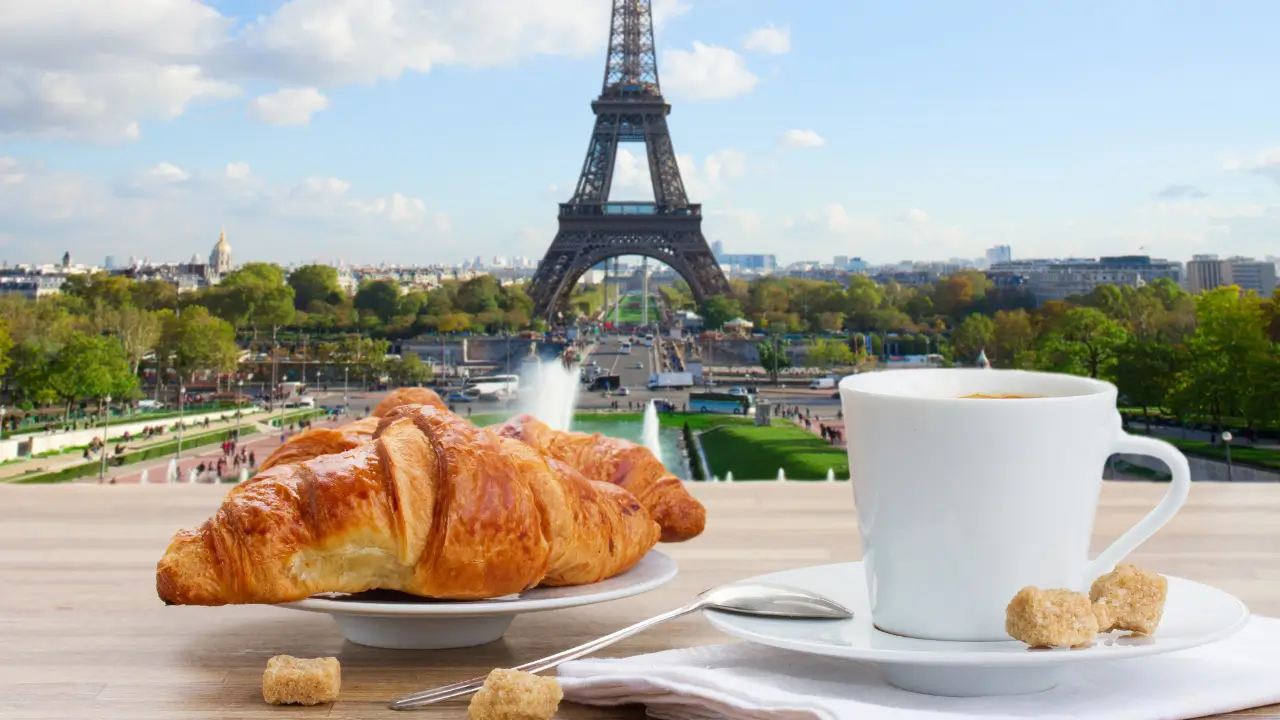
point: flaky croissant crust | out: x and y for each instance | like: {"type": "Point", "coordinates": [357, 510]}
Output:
{"type": "Point", "coordinates": [432, 506]}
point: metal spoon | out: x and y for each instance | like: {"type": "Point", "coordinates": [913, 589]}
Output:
{"type": "Point", "coordinates": [744, 598]}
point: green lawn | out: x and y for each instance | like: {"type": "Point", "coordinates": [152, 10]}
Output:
{"type": "Point", "coordinates": [631, 311]}
{"type": "Point", "coordinates": [1241, 454]}
{"type": "Point", "coordinates": [756, 453]}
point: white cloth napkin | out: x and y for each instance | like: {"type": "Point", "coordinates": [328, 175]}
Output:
{"type": "Point", "coordinates": [743, 681]}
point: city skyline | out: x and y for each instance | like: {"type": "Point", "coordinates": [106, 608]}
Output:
{"type": "Point", "coordinates": [398, 136]}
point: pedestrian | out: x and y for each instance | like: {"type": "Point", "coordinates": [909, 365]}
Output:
{"type": "Point", "coordinates": [253, 462]}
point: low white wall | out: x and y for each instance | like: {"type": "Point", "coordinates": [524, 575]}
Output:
{"type": "Point", "coordinates": [8, 449]}
{"type": "Point", "coordinates": [43, 442]}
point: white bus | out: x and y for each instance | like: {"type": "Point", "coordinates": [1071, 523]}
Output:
{"type": "Point", "coordinates": [499, 386]}
{"type": "Point", "coordinates": [626, 348]}
{"type": "Point", "coordinates": [648, 340]}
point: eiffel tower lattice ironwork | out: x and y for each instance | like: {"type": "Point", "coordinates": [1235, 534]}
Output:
{"type": "Point", "coordinates": [592, 229]}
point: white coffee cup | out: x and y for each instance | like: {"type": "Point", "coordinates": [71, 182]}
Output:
{"type": "Point", "coordinates": [962, 502]}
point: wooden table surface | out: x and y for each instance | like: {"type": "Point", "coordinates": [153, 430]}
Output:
{"type": "Point", "coordinates": [82, 634]}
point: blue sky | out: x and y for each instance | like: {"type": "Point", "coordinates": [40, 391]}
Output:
{"type": "Point", "coordinates": [1061, 128]}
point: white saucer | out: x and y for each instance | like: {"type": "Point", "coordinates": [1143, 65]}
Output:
{"type": "Point", "coordinates": [1194, 614]}
{"type": "Point", "coordinates": [406, 622]}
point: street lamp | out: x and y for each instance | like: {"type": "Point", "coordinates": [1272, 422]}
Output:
{"type": "Point", "coordinates": [239, 405]}
{"type": "Point", "coordinates": [106, 416]}
{"type": "Point", "coordinates": [345, 370]}
{"type": "Point", "coordinates": [1226, 443]}
{"type": "Point", "coordinates": [182, 395]}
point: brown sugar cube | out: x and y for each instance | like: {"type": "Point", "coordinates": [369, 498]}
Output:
{"type": "Point", "coordinates": [299, 681]}
{"type": "Point", "coordinates": [1051, 618]}
{"type": "Point", "coordinates": [515, 695]}
{"type": "Point", "coordinates": [1129, 598]}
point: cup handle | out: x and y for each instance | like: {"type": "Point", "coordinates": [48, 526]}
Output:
{"type": "Point", "coordinates": [1179, 488]}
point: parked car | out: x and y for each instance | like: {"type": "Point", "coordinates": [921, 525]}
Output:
{"type": "Point", "coordinates": [623, 391]}
{"type": "Point", "coordinates": [460, 397]}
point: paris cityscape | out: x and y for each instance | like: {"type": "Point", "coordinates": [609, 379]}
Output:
{"type": "Point", "coordinates": [691, 262]}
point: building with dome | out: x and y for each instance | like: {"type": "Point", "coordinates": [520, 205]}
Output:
{"type": "Point", "coordinates": [220, 258]}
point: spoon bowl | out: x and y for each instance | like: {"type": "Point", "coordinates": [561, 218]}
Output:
{"type": "Point", "coordinates": [773, 601]}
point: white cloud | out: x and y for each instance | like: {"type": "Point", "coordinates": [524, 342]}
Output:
{"type": "Point", "coordinates": [707, 72]}
{"type": "Point", "coordinates": [796, 139]}
{"type": "Point", "coordinates": [769, 39]}
{"type": "Point", "coordinates": [289, 107]}
{"type": "Point", "coordinates": [914, 216]}
{"type": "Point", "coordinates": [327, 42]}
{"type": "Point", "coordinates": [168, 212]}
{"type": "Point", "coordinates": [95, 70]}
{"type": "Point", "coordinates": [1265, 163]}
{"type": "Point", "coordinates": [101, 70]}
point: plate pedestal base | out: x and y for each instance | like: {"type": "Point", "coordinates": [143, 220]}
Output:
{"type": "Point", "coordinates": [959, 681]}
{"type": "Point", "coordinates": [419, 633]}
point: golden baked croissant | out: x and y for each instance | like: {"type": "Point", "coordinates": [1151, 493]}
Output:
{"type": "Point", "coordinates": [626, 464]}
{"type": "Point", "coordinates": [597, 530]}
{"type": "Point", "coordinates": [408, 396]}
{"type": "Point", "coordinates": [322, 441]}
{"type": "Point", "coordinates": [433, 506]}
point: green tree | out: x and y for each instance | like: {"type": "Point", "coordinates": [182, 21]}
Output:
{"type": "Point", "coordinates": [6, 347]}
{"type": "Point", "coordinates": [90, 366]}
{"type": "Point", "coordinates": [1144, 373]}
{"type": "Point", "coordinates": [718, 310]}
{"type": "Point", "coordinates": [315, 283]}
{"type": "Point", "coordinates": [409, 370]}
{"type": "Point", "coordinates": [137, 330]}
{"type": "Point", "coordinates": [100, 290]}
{"type": "Point", "coordinates": [774, 356]}
{"type": "Point", "coordinates": [155, 295]}
{"type": "Point", "coordinates": [827, 353]}
{"type": "Point", "coordinates": [1227, 350]}
{"type": "Point", "coordinates": [381, 298]}
{"type": "Point", "coordinates": [192, 340]}
{"type": "Point", "coordinates": [479, 294]}
{"type": "Point", "coordinates": [1013, 337]}
{"type": "Point", "coordinates": [1083, 342]}
{"type": "Point", "coordinates": [971, 337]}
{"type": "Point", "coordinates": [254, 296]}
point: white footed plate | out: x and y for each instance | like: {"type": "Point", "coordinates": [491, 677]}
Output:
{"type": "Point", "coordinates": [405, 622]}
{"type": "Point", "coordinates": [1194, 614]}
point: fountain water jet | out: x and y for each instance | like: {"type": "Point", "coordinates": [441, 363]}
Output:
{"type": "Point", "coordinates": [650, 429]}
{"type": "Point", "coordinates": [554, 393]}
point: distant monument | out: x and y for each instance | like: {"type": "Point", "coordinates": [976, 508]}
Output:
{"type": "Point", "coordinates": [220, 258]}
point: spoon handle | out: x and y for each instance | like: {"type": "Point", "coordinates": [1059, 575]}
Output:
{"type": "Point", "coordinates": [427, 697]}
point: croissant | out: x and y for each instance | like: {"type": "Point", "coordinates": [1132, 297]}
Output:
{"type": "Point", "coordinates": [626, 464]}
{"type": "Point", "coordinates": [322, 441]}
{"type": "Point", "coordinates": [432, 506]}
{"type": "Point", "coordinates": [408, 396]}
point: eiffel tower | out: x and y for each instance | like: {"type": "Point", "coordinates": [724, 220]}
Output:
{"type": "Point", "coordinates": [592, 229]}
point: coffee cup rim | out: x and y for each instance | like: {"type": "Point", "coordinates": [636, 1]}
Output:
{"type": "Point", "coordinates": [866, 384]}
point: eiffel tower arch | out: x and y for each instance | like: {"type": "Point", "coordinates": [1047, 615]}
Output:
{"type": "Point", "coordinates": [630, 109]}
